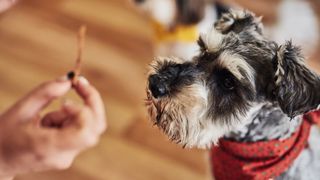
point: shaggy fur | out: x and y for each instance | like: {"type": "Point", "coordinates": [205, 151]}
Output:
{"type": "Point", "coordinates": [240, 86]}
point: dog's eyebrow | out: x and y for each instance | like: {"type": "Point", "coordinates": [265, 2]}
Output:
{"type": "Point", "coordinates": [211, 41]}
{"type": "Point", "coordinates": [236, 65]}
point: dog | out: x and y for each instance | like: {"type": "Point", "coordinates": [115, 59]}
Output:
{"type": "Point", "coordinates": [178, 23]}
{"type": "Point", "coordinates": [241, 91]}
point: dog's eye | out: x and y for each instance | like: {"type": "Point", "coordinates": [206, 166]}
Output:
{"type": "Point", "coordinates": [228, 83]}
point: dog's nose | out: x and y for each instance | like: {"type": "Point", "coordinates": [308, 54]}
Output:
{"type": "Point", "coordinates": [157, 87]}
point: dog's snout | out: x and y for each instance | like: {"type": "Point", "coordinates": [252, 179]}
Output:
{"type": "Point", "coordinates": [157, 86]}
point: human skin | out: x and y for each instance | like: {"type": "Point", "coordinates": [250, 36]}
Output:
{"type": "Point", "coordinates": [31, 143]}
{"type": "Point", "coordinates": [6, 4]}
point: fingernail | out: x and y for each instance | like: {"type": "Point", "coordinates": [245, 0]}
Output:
{"type": "Point", "coordinates": [83, 80]}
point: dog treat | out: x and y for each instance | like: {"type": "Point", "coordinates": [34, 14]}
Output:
{"type": "Point", "coordinates": [73, 75]}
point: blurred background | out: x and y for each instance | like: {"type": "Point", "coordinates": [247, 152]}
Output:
{"type": "Point", "coordinates": [38, 42]}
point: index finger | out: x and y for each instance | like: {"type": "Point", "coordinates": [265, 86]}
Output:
{"type": "Point", "coordinates": [40, 97]}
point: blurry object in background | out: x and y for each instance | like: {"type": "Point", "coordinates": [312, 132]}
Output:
{"type": "Point", "coordinates": [6, 4]}
{"type": "Point", "coordinates": [178, 23]}
{"type": "Point", "coordinates": [286, 19]}
{"type": "Point", "coordinates": [296, 20]}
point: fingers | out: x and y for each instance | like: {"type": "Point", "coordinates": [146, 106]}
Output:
{"type": "Point", "coordinates": [80, 132]}
{"type": "Point", "coordinates": [63, 133]}
{"type": "Point", "coordinates": [92, 99]}
{"type": "Point", "coordinates": [55, 150]}
{"type": "Point", "coordinates": [6, 4]}
{"type": "Point", "coordinates": [84, 129]}
{"type": "Point", "coordinates": [62, 117]}
{"type": "Point", "coordinates": [71, 108]}
{"type": "Point", "coordinates": [76, 127]}
{"type": "Point", "coordinates": [38, 98]}
{"type": "Point", "coordinates": [56, 119]}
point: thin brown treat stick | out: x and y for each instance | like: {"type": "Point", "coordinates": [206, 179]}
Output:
{"type": "Point", "coordinates": [81, 41]}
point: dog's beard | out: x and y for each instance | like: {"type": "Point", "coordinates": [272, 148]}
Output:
{"type": "Point", "coordinates": [184, 118]}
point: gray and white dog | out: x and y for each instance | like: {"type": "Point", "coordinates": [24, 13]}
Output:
{"type": "Point", "coordinates": [240, 86]}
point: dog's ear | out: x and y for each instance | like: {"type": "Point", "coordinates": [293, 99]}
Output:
{"type": "Point", "coordinates": [297, 88]}
{"type": "Point", "coordinates": [239, 21]}
{"type": "Point", "coordinates": [190, 11]}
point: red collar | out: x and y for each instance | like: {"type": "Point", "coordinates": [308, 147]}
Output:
{"type": "Point", "coordinates": [260, 160]}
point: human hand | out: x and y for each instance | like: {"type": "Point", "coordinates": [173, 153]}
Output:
{"type": "Point", "coordinates": [31, 143]}
{"type": "Point", "coordinates": [6, 4]}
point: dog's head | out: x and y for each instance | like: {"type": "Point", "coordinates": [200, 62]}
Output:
{"type": "Point", "coordinates": [197, 102]}
{"type": "Point", "coordinates": [172, 12]}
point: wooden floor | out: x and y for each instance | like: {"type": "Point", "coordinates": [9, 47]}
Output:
{"type": "Point", "coordinates": [38, 42]}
